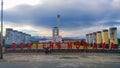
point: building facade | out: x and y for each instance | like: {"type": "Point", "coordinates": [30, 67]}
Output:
{"type": "Point", "coordinates": [55, 33]}
{"type": "Point", "coordinates": [16, 36]}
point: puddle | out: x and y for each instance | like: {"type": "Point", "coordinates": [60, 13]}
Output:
{"type": "Point", "coordinates": [69, 57]}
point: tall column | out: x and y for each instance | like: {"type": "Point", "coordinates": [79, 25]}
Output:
{"type": "Point", "coordinates": [99, 39]}
{"type": "Point", "coordinates": [87, 38]}
{"type": "Point", "coordinates": [113, 36]}
{"type": "Point", "coordinates": [105, 38]}
{"type": "Point", "coordinates": [94, 37]}
{"type": "Point", "coordinates": [90, 39]}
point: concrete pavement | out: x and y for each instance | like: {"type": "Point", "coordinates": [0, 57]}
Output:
{"type": "Point", "coordinates": [60, 60]}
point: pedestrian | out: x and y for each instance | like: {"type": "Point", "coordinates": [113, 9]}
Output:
{"type": "Point", "coordinates": [47, 49]}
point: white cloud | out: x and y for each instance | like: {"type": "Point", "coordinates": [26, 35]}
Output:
{"type": "Point", "coordinates": [118, 20]}
{"type": "Point", "coordinates": [12, 3]}
{"type": "Point", "coordinates": [93, 5]}
{"type": "Point", "coordinates": [116, 4]}
{"type": "Point", "coordinates": [31, 29]}
{"type": "Point", "coordinates": [41, 31]}
{"type": "Point", "coordinates": [81, 33]}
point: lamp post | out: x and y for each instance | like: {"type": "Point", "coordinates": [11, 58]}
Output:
{"type": "Point", "coordinates": [1, 42]}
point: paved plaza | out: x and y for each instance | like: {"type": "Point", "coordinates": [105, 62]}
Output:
{"type": "Point", "coordinates": [60, 60]}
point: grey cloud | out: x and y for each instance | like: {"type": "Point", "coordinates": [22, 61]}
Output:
{"type": "Point", "coordinates": [76, 14]}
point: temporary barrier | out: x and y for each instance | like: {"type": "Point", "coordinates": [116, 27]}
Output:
{"type": "Point", "coordinates": [78, 44]}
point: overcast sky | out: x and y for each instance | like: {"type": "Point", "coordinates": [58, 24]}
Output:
{"type": "Point", "coordinates": [77, 17]}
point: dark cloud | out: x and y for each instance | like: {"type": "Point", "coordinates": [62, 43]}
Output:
{"type": "Point", "coordinates": [75, 14]}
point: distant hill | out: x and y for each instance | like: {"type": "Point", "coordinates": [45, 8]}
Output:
{"type": "Point", "coordinates": [72, 38]}
{"type": "Point", "coordinates": [36, 38]}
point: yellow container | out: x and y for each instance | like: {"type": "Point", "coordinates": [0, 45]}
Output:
{"type": "Point", "coordinates": [98, 37]}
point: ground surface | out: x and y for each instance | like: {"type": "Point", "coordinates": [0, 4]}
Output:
{"type": "Point", "coordinates": [60, 60]}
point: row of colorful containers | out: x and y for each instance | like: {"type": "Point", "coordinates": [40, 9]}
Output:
{"type": "Point", "coordinates": [106, 36]}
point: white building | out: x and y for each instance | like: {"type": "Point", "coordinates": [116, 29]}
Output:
{"type": "Point", "coordinates": [9, 38]}
{"type": "Point", "coordinates": [55, 33]}
{"type": "Point", "coordinates": [27, 38]}
{"type": "Point", "coordinates": [16, 36]}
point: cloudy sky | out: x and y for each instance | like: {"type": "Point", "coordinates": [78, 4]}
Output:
{"type": "Point", "coordinates": [77, 17]}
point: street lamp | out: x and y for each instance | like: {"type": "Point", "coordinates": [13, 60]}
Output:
{"type": "Point", "coordinates": [1, 45]}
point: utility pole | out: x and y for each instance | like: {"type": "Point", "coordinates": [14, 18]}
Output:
{"type": "Point", "coordinates": [1, 45]}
